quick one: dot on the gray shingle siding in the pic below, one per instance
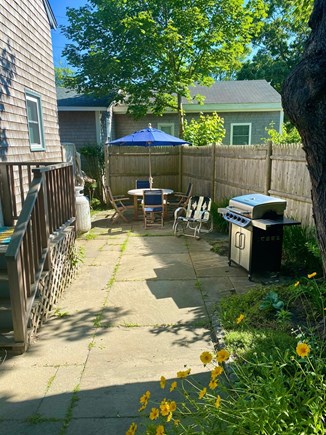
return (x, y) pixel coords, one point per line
(78, 128)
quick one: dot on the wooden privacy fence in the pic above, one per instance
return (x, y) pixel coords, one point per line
(218, 171)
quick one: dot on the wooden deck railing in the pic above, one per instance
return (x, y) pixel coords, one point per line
(48, 207)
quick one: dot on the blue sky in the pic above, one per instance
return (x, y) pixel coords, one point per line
(58, 40)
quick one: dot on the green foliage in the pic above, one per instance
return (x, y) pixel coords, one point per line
(301, 253)
(154, 51)
(250, 342)
(220, 224)
(271, 300)
(275, 394)
(207, 130)
(311, 295)
(280, 43)
(77, 256)
(288, 135)
(250, 304)
(93, 166)
(274, 382)
(61, 75)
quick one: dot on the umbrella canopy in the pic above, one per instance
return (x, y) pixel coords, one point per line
(149, 137)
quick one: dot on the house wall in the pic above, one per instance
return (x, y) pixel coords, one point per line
(78, 128)
(26, 63)
(125, 124)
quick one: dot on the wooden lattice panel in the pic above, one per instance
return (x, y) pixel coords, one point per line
(54, 282)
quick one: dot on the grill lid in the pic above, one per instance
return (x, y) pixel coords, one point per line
(257, 205)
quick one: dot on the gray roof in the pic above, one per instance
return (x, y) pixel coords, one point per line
(237, 92)
(70, 98)
(223, 92)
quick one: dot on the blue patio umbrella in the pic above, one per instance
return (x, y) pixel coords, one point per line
(149, 137)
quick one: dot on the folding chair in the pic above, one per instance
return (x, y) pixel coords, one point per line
(142, 184)
(119, 204)
(180, 199)
(190, 221)
(153, 208)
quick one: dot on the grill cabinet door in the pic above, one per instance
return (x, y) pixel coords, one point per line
(240, 246)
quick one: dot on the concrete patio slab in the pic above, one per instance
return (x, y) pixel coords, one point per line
(157, 302)
(140, 307)
(155, 266)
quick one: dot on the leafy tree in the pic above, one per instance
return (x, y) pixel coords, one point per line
(304, 101)
(288, 135)
(280, 43)
(61, 74)
(208, 129)
(153, 51)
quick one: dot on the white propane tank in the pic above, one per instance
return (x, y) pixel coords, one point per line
(83, 214)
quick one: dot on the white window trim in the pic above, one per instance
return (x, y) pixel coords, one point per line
(166, 124)
(32, 96)
(240, 123)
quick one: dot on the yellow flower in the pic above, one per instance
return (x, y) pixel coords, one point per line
(218, 402)
(206, 357)
(176, 422)
(217, 371)
(222, 355)
(239, 319)
(165, 408)
(213, 384)
(302, 349)
(132, 429)
(169, 417)
(144, 398)
(173, 406)
(173, 386)
(162, 382)
(160, 430)
(296, 284)
(155, 413)
(184, 373)
(202, 393)
(311, 275)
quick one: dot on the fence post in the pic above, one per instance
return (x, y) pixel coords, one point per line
(268, 176)
(180, 168)
(213, 172)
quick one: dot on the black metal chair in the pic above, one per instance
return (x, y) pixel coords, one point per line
(153, 208)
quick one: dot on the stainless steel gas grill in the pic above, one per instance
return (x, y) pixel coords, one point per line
(256, 231)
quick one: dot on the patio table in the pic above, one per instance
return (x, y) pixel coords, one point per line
(139, 193)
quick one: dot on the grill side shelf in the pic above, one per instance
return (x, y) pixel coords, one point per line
(263, 224)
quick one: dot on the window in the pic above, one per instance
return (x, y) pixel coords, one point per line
(166, 127)
(240, 134)
(34, 119)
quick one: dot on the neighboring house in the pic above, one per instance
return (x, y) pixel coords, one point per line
(248, 108)
(36, 189)
(83, 120)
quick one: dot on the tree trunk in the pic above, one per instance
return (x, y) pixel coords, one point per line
(304, 101)
(181, 117)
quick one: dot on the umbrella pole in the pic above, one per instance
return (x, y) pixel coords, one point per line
(150, 169)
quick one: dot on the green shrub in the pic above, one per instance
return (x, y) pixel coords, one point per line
(208, 129)
(289, 134)
(93, 166)
(220, 224)
(301, 254)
